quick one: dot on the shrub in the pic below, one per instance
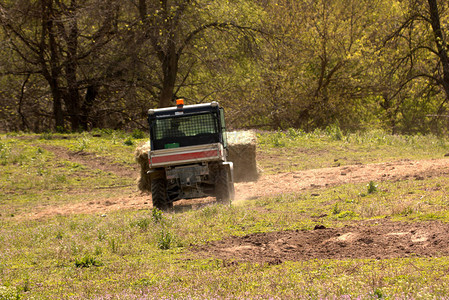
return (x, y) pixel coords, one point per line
(138, 134)
(46, 136)
(156, 215)
(278, 140)
(82, 144)
(87, 261)
(334, 132)
(372, 187)
(164, 240)
(129, 141)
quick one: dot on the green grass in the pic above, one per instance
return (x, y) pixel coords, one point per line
(31, 175)
(296, 150)
(134, 254)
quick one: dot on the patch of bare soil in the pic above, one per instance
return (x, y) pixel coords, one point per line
(371, 240)
(129, 201)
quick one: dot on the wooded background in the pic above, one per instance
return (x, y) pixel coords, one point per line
(69, 65)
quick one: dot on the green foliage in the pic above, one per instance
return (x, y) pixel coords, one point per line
(129, 142)
(102, 131)
(137, 134)
(5, 152)
(142, 223)
(322, 66)
(60, 129)
(165, 239)
(87, 261)
(334, 132)
(347, 215)
(377, 294)
(278, 140)
(372, 187)
(156, 215)
(82, 143)
(114, 245)
(336, 210)
(46, 136)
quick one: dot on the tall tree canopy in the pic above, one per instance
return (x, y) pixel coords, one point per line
(78, 64)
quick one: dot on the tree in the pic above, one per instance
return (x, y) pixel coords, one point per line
(441, 42)
(314, 72)
(424, 36)
(58, 39)
(175, 28)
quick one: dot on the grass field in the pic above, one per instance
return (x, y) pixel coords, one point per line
(145, 254)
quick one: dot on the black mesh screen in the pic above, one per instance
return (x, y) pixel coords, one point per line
(186, 130)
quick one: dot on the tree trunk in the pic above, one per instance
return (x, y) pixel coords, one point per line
(72, 97)
(51, 74)
(88, 103)
(57, 110)
(170, 70)
(25, 125)
(441, 44)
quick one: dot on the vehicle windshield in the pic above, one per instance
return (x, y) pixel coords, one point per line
(185, 130)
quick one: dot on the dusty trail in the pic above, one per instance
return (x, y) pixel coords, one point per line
(317, 178)
(369, 239)
(267, 185)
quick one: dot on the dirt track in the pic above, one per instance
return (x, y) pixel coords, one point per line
(267, 185)
(372, 239)
(309, 179)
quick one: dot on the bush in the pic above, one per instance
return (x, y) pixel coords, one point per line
(87, 261)
(156, 215)
(164, 240)
(372, 187)
(138, 134)
(129, 141)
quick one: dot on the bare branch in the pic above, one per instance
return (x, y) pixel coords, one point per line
(216, 25)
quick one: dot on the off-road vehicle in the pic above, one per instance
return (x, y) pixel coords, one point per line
(188, 154)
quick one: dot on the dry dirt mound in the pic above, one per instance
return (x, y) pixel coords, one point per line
(373, 240)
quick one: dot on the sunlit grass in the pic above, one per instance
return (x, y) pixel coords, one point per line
(32, 176)
(296, 150)
(137, 254)
(94, 256)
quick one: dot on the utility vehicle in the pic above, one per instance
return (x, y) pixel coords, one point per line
(188, 154)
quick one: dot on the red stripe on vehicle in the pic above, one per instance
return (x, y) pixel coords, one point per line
(183, 156)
